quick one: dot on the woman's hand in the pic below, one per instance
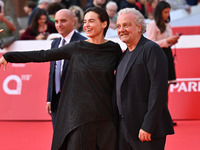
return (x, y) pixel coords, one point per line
(173, 39)
(40, 37)
(3, 62)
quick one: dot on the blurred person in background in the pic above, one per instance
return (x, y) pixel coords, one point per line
(52, 9)
(68, 3)
(179, 4)
(142, 5)
(56, 1)
(111, 8)
(6, 23)
(96, 3)
(64, 23)
(128, 4)
(42, 4)
(151, 5)
(192, 2)
(160, 31)
(40, 27)
(78, 14)
(118, 3)
(28, 8)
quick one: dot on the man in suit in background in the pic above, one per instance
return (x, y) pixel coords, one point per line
(141, 87)
(64, 23)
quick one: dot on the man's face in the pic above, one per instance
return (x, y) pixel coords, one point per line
(26, 9)
(127, 30)
(64, 23)
(112, 10)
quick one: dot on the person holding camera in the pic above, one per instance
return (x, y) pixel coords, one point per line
(6, 23)
(40, 27)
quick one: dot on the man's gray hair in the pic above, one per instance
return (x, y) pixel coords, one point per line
(140, 20)
(110, 3)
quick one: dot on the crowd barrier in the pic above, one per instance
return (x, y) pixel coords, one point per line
(23, 87)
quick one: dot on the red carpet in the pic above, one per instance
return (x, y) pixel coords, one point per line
(186, 137)
(25, 135)
(38, 135)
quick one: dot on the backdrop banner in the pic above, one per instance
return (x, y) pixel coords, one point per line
(23, 87)
(184, 97)
(23, 91)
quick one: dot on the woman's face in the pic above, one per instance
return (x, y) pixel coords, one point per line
(92, 25)
(154, 4)
(165, 13)
(42, 20)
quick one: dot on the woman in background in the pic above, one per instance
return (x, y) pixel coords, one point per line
(160, 31)
(40, 27)
(78, 14)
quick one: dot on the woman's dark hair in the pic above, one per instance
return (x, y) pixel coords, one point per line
(158, 15)
(34, 23)
(102, 14)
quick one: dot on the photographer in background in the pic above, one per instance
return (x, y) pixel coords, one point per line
(6, 23)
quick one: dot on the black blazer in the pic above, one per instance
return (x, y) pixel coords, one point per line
(144, 91)
(51, 84)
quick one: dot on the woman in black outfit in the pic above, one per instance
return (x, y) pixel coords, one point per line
(85, 119)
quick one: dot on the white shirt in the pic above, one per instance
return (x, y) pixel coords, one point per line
(67, 39)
